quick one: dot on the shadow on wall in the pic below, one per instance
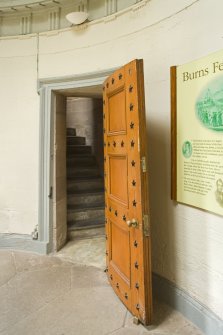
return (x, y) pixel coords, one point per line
(175, 247)
(162, 219)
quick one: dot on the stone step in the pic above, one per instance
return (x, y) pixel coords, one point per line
(84, 224)
(71, 131)
(75, 233)
(90, 205)
(74, 215)
(73, 150)
(85, 185)
(76, 140)
(79, 160)
(82, 172)
(86, 199)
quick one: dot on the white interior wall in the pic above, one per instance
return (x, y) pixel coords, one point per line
(19, 115)
(121, 4)
(9, 27)
(187, 242)
(96, 9)
(40, 22)
(80, 115)
(86, 116)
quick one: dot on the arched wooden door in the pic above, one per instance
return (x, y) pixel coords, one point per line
(127, 204)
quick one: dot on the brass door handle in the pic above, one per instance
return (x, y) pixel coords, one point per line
(132, 223)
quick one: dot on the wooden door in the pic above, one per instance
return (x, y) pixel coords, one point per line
(126, 195)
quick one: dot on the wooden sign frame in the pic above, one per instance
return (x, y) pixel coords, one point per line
(173, 72)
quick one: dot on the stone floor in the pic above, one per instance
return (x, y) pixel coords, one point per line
(54, 295)
(86, 247)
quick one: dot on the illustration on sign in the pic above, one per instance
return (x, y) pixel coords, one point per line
(209, 106)
(187, 149)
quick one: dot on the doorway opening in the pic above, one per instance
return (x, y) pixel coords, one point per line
(127, 227)
(79, 118)
(52, 218)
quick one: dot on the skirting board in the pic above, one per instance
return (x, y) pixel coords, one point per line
(193, 310)
(23, 243)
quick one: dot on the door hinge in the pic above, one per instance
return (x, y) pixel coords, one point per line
(146, 225)
(50, 195)
(144, 168)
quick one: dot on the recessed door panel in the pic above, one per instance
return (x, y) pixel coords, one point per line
(117, 117)
(120, 253)
(117, 176)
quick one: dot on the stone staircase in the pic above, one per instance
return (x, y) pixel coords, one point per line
(85, 187)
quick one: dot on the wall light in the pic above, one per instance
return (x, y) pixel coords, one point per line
(77, 17)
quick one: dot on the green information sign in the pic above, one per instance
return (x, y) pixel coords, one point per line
(197, 133)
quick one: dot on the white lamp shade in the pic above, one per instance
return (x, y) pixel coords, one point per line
(77, 17)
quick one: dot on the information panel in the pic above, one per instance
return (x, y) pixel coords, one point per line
(199, 133)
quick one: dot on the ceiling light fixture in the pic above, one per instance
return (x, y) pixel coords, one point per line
(77, 17)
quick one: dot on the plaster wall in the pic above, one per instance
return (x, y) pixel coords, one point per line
(9, 27)
(80, 115)
(187, 242)
(86, 116)
(19, 115)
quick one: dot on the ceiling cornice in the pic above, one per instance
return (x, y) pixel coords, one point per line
(18, 3)
(18, 6)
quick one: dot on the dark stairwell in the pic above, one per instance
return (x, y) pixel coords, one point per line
(85, 188)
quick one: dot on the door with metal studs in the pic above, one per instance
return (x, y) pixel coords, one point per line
(128, 254)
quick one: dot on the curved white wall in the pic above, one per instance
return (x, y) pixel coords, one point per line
(187, 242)
(19, 117)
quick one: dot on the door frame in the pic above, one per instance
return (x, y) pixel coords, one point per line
(47, 88)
